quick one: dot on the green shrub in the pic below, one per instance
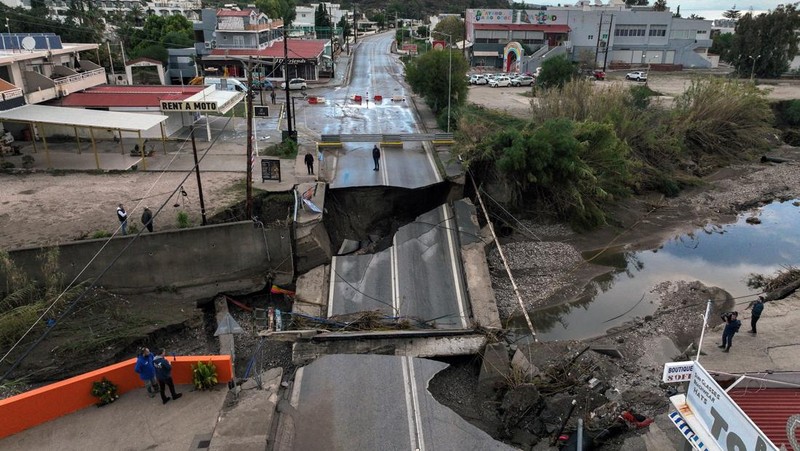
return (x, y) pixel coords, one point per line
(791, 137)
(7, 165)
(105, 391)
(101, 234)
(791, 112)
(183, 220)
(204, 375)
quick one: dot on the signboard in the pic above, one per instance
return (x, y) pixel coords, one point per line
(727, 424)
(439, 45)
(261, 111)
(678, 371)
(270, 170)
(410, 48)
(181, 105)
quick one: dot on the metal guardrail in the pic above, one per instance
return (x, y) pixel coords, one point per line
(408, 137)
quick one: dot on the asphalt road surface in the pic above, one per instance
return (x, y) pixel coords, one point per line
(375, 71)
(419, 276)
(374, 402)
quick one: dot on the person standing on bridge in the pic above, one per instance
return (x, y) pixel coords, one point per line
(732, 325)
(376, 157)
(309, 159)
(272, 96)
(758, 307)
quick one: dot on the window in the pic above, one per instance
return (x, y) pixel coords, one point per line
(630, 30)
(702, 31)
(238, 41)
(658, 30)
(591, 37)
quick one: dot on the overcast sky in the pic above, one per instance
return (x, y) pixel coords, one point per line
(712, 9)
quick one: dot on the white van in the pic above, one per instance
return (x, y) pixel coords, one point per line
(226, 84)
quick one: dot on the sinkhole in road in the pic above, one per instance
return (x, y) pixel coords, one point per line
(373, 214)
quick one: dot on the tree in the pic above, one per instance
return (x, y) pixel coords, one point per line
(696, 17)
(378, 18)
(660, 5)
(159, 34)
(321, 17)
(451, 25)
(278, 9)
(347, 29)
(765, 44)
(428, 77)
(636, 2)
(722, 46)
(732, 13)
(556, 72)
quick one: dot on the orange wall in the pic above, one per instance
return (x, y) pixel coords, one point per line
(61, 398)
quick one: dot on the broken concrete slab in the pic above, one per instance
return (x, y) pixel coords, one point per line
(479, 287)
(246, 425)
(523, 366)
(314, 193)
(311, 294)
(496, 366)
(467, 220)
(364, 343)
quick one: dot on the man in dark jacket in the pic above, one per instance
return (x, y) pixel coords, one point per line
(122, 215)
(758, 307)
(376, 157)
(146, 371)
(309, 159)
(164, 376)
(732, 325)
(147, 219)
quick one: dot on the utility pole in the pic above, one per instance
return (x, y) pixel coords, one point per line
(286, 80)
(249, 105)
(199, 183)
(599, 36)
(333, 50)
(355, 25)
(608, 43)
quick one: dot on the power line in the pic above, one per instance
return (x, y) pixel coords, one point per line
(103, 272)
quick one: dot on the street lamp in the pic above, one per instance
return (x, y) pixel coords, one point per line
(753, 69)
(449, 76)
(647, 77)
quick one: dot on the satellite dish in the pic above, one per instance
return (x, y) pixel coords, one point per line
(28, 43)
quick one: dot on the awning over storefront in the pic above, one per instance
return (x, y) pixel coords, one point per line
(225, 100)
(485, 53)
(41, 114)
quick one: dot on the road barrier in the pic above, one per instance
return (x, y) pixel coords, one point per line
(384, 139)
(379, 98)
(357, 99)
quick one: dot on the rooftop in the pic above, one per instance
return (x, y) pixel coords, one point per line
(770, 409)
(127, 96)
(298, 48)
(522, 27)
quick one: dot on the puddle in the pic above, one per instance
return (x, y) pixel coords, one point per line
(716, 256)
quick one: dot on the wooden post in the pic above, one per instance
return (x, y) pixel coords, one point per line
(94, 148)
(46, 149)
(163, 138)
(33, 137)
(121, 147)
(141, 151)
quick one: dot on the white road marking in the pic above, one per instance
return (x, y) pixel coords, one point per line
(384, 172)
(433, 163)
(417, 415)
(393, 269)
(412, 436)
(330, 288)
(450, 229)
(298, 381)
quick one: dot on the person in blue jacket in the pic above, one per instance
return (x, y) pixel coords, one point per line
(732, 325)
(758, 307)
(164, 376)
(146, 370)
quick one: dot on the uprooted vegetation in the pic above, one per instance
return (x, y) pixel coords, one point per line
(584, 148)
(782, 283)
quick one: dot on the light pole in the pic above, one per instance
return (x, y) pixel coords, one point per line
(449, 76)
(753, 69)
(647, 76)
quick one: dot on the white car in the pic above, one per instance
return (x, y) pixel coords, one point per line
(522, 80)
(295, 83)
(638, 76)
(501, 82)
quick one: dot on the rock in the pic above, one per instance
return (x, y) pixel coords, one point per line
(753, 220)
(496, 367)
(524, 438)
(796, 203)
(520, 401)
(523, 366)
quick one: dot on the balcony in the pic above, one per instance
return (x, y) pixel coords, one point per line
(41, 89)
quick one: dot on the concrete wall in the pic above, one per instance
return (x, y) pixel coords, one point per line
(211, 255)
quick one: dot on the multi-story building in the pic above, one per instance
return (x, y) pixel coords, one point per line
(44, 68)
(58, 8)
(600, 35)
(226, 39)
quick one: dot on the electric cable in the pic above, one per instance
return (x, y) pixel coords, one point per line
(101, 275)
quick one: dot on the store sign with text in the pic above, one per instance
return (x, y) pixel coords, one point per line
(677, 372)
(722, 417)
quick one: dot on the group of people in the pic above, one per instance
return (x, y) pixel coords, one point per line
(376, 159)
(122, 215)
(732, 323)
(156, 371)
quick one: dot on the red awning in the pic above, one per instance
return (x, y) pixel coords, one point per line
(769, 408)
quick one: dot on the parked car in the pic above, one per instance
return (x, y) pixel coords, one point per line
(522, 80)
(637, 76)
(501, 81)
(295, 83)
(473, 79)
(481, 80)
(262, 85)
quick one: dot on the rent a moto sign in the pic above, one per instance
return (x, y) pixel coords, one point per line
(724, 420)
(179, 105)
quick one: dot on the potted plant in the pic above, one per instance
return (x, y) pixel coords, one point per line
(105, 391)
(204, 375)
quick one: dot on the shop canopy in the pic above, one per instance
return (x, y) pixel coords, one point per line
(113, 120)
